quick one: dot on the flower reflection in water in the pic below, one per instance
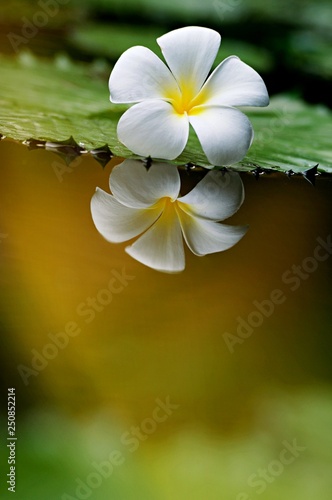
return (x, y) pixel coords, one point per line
(148, 202)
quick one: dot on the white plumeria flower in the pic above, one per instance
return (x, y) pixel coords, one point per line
(169, 98)
(147, 201)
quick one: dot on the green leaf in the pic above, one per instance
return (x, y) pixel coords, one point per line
(52, 101)
(55, 100)
(291, 134)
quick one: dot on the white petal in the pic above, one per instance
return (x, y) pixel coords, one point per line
(139, 74)
(153, 128)
(135, 186)
(189, 53)
(224, 133)
(205, 236)
(217, 196)
(234, 83)
(161, 247)
(117, 223)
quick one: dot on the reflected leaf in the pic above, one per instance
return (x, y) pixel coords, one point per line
(148, 202)
(102, 154)
(310, 174)
(67, 149)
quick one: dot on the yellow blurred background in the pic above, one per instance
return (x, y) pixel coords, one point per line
(162, 338)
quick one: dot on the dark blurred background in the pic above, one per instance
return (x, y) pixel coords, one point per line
(288, 42)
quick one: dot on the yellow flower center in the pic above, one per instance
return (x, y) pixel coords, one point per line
(186, 100)
(171, 209)
(168, 215)
(168, 205)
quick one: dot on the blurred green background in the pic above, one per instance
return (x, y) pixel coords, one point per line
(163, 336)
(288, 42)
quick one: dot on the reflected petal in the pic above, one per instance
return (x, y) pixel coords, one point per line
(189, 53)
(138, 75)
(205, 236)
(224, 133)
(135, 186)
(116, 222)
(234, 83)
(153, 128)
(217, 196)
(161, 247)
